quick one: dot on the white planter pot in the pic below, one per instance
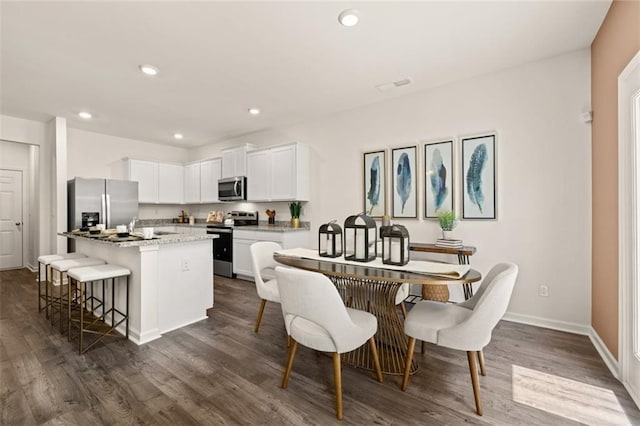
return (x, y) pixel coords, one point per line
(447, 235)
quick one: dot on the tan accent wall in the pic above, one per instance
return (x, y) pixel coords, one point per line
(616, 43)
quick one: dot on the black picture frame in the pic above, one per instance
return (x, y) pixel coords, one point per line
(374, 200)
(404, 180)
(479, 181)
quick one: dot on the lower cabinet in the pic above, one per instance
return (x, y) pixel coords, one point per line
(242, 264)
(242, 240)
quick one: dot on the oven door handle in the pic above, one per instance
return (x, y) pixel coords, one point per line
(219, 231)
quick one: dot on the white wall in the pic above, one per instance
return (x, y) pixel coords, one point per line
(544, 172)
(41, 141)
(95, 155)
(102, 156)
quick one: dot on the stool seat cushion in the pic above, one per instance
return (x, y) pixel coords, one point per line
(48, 258)
(65, 264)
(97, 272)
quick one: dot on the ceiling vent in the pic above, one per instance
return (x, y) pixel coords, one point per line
(384, 87)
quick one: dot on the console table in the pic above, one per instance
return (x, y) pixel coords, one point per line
(463, 254)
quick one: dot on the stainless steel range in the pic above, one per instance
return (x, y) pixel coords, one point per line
(223, 246)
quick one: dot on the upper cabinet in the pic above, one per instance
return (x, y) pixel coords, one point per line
(146, 174)
(170, 183)
(279, 173)
(157, 182)
(259, 175)
(192, 186)
(210, 173)
(234, 161)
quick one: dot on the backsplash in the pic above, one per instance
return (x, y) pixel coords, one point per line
(200, 211)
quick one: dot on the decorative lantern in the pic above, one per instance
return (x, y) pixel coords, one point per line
(395, 245)
(330, 240)
(360, 238)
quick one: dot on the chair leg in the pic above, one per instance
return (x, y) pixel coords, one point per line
(288, 340)
(376, 359)
(471, 356)
(481, 362)
(407, 366)
(287, 371)
(422, 347)
(403, 308)
(337, 374)
(263, 303)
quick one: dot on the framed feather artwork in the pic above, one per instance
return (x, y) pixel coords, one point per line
(438, 178)
(404, 183)
(375, 194)
(479, 177)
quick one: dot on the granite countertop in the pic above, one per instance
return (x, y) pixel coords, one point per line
(280, 226)
(157, 239)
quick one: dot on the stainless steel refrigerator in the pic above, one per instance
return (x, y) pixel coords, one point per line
(108, 201)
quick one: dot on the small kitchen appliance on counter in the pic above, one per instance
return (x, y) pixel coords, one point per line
(223, 245)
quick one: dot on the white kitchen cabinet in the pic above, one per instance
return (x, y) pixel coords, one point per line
(146, 174)
(242, 263)
(242, 240)
(234, 161)
(210, 173)
(157, 182)
(170, 183)
(259, 175)
(192, 187)
(279, 173)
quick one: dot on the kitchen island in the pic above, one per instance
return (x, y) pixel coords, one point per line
(171, 282)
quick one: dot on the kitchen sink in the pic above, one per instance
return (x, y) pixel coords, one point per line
(165, 233)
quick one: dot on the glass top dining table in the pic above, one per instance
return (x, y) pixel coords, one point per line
(374, 290)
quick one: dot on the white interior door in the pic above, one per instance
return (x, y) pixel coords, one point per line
(629, 159)
(10, 219)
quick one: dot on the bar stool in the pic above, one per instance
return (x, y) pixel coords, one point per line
(45, 260)
(62, 267)
(90, 274)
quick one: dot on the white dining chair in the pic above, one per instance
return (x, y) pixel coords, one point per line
(262, 259)
(466, 326)
(315, 316)
(403, 293)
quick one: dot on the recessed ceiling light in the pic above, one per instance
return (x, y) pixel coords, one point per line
(178, 136)
(348, 17)
(148, 69)
(84, 114)
(254, 111)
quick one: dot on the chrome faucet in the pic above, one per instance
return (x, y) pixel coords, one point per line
(132, 224)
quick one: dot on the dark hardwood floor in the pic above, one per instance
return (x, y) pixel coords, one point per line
(219, 372)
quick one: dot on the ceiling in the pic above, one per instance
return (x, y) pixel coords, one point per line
(293, 60)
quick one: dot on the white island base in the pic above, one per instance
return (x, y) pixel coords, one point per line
(171, 285)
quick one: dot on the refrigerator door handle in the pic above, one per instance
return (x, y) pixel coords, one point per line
(103, 216)
(108, 211)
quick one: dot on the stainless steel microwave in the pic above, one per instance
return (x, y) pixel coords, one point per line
(232, 189)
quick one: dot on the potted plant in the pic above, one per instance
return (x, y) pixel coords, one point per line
(447, 219)
(295, 208)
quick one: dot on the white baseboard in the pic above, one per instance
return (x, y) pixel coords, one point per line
(586, 330)
(569, 327)
(31, 267)
(605, 354)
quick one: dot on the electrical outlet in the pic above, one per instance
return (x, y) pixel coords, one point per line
(185, 265)
(543, 290)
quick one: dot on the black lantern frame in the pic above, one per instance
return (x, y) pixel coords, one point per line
(395, 245)
(330, 240)
(360, 237)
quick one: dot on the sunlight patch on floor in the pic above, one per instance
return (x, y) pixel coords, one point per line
(570, 399)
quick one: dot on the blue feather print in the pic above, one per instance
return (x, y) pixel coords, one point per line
(474, 175)
(374, 184)
(438, 179)
(403, 179)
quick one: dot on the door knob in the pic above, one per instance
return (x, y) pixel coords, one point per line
(18, 223)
